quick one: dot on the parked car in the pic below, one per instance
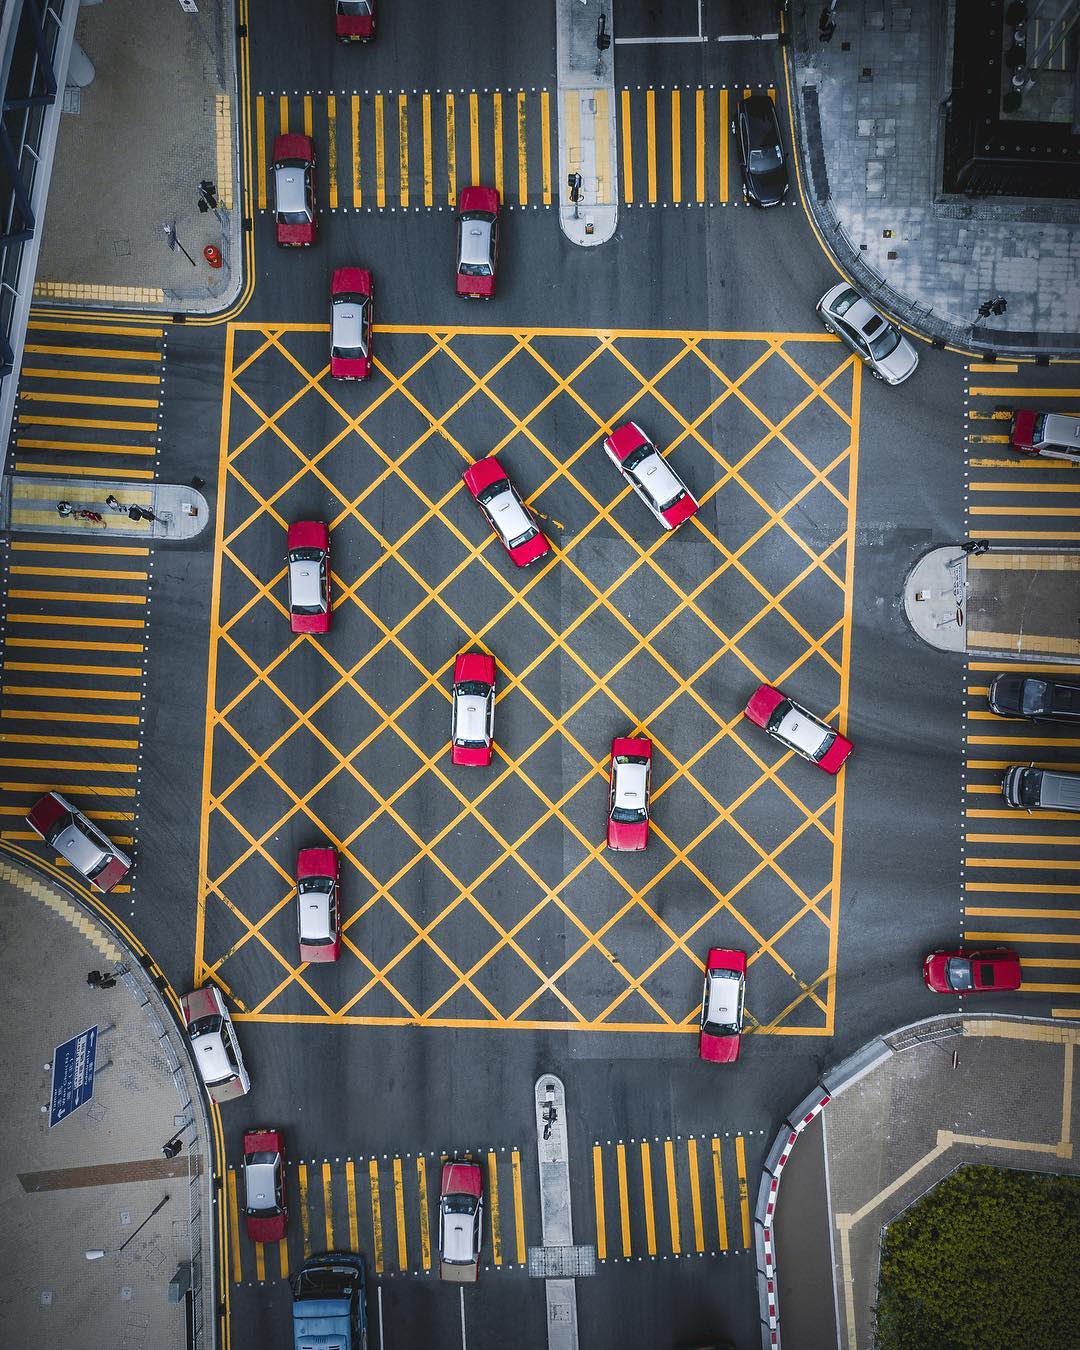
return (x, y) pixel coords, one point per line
(879, 343)
(650, 475)
(628, 801)
(214, 1045)
(1053, 435)
(351, 307)
(1012, 695)
(309, 576)
(477, 242)
(330, 1303)
(1028, 788)
(722, 1005)
(318, 903)
(296, 214)
(963, 972)
(789, 723)
(507, 514)
(266, 1215)
(79, 843)
(472, 720)
(354, 20)
(461, 1217)
(761, 150)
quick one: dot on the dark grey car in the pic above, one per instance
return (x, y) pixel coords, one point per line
(1012, 695)
(760, 146)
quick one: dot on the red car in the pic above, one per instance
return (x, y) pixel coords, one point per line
(296, 215)
(266, 1216)
(963, 972)
(628, 810)
(354, 20)
(318, 908)
(472, 724)
(309, 576)
(722, 1005)
(461, 1221)
(350, 323)
(650, 475)
(507, 514)
(477, 242)
(78, 842)
(789, 723)
(1053, 434)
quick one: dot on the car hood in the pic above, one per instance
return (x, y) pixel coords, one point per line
(1005, 693)
(769, 186)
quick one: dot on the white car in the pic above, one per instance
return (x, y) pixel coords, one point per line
(214, 1045)
(883, 347)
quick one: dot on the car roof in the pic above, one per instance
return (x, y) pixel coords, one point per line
(509, 514)
(347, 318)
(73, 844)
(630, 780)
(471, 721)
(723, 1001)
(476, 241)
(304, 583)
(259, 1188)
(214, 1063)
(289, 190)
(862, 314)
(800, 728)
(314, 909)
(657, 477)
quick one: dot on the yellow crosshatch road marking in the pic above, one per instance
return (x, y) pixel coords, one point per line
(458, 991)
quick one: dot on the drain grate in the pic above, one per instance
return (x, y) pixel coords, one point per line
(72, 99)
(561, 1263)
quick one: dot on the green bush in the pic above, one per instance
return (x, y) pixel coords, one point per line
(988, 1260)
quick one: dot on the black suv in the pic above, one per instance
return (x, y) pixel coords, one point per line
(761, 150)
(1041, 700)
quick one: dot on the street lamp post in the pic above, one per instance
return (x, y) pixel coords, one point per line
(96, 1253)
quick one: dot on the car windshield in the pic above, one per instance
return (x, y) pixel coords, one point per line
(1038, 429)
(844, 301)
(958, 973)
(354, 8)
(487, 495)
(326, 1282)
(477, 687)
(205, 1026)
(761, 161)
(1033, 699)
(460, 1204)
(886, 344)
(324, 885)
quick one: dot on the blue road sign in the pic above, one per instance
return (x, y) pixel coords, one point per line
(73, 1075)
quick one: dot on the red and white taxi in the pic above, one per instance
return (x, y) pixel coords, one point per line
(350, 323)
(78, 842)
(628, 801)
(296, 216)
(789, 723)
(722, 1005)
(354, 20)
(461, 1219)
(213, 1044)
(318, 908)
(308, 557)
(477, 242)
(650, 475)
(964, 972)
(266, 1216)
(472, 722)
(507, 514)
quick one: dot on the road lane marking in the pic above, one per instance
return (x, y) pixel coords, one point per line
(357, 194)
(627, 150)
(650, 143)
(598, 1201)
(602, 144)
(307, 114)
(718, 1191)
(498, 143)
(350, 1194)
(331, 151)
(425, 1217)
(523, 162)
(328, 1207)
(474, 139)
(451, 152)
(695, 1195)
(493, 1194)
(647, 1196)
(744, 1201)
(234, 1226)
(305, 1215)
(519, 1209)
(429, 181)
(672, 1197)
(699, 146)
(403, 150)
(545, 144)
(724, 134)
(376, 1216)
(380, 153)
(283, 114)
(676, 146)
(624, 1199)
(399, 1214)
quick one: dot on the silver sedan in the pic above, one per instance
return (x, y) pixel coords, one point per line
(879, 343)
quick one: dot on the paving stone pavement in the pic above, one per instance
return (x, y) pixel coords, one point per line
(870, 153)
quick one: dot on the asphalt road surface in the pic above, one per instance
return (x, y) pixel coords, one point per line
(488, 936)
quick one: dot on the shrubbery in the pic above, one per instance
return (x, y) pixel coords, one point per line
(989, 1259)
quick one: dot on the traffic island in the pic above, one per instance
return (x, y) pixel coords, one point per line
(1016, 604)
(61, 506)
(588, 173)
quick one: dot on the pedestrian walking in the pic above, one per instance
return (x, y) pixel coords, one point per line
(63, 509)
(112, 503)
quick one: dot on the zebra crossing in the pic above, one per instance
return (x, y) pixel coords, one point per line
(413, 150)
(633, 1199)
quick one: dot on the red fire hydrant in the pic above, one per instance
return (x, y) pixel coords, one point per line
(212, 255)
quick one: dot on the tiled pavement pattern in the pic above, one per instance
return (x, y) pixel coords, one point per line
(1021, 872)
(870, 118)
(489, 900)
(76, 613)
(415, 150)
(637, 1199)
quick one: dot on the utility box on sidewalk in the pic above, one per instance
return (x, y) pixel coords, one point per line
(180, 1282)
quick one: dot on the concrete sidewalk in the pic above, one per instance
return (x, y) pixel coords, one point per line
(904, 1124)
(160, 116)
(868, 122)
(88, 1182)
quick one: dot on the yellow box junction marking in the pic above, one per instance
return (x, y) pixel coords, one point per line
(838, 391)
